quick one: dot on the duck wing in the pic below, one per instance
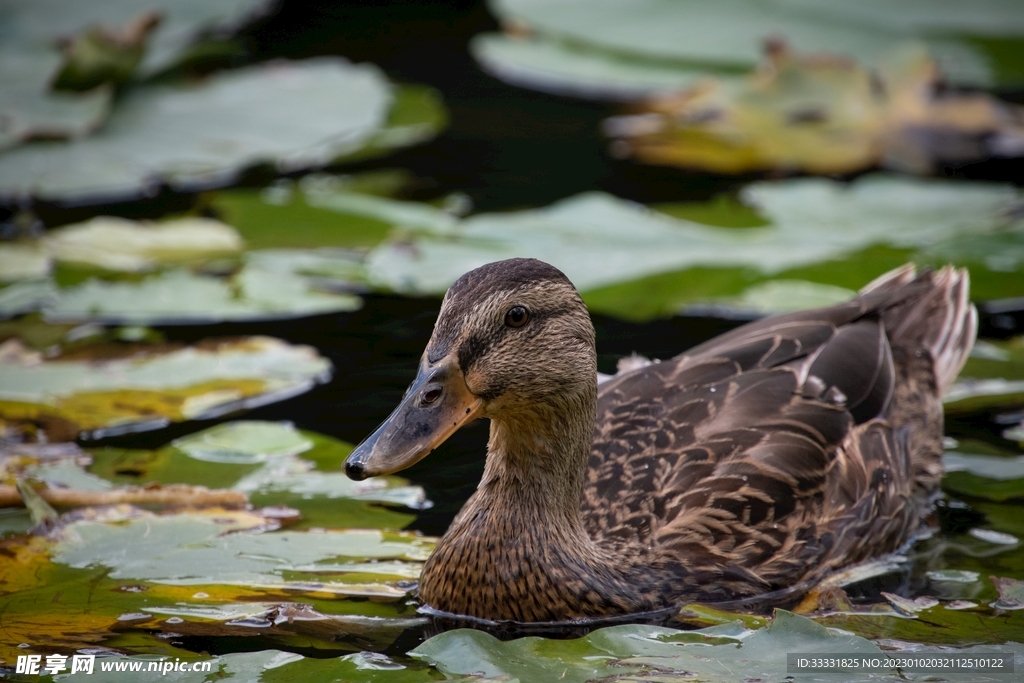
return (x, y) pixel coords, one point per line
(785, 448)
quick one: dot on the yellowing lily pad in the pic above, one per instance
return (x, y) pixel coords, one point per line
(104, 575)
(824, 115)
(152, 387)
(123, 245)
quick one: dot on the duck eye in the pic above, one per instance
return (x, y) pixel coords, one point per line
(517, 316)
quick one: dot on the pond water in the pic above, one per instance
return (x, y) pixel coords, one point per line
(128, 585)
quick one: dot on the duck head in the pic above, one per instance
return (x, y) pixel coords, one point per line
(513, 341)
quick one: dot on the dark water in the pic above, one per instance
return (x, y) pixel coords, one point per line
(505, 148)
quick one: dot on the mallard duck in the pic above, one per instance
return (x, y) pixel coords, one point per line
(755, 463)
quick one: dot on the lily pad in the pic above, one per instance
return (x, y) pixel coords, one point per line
(270, 285)
(135, 246)
(599, 240)
(990, 474)
(993, 377)
(821, 114)
(24, 261)
(193, 549)
(29, 109)
(276, 464)
(203, 567)
(153, 386)
(659, 654)
(577, 70)
(197, 136)
(730, 33)
(182, 22)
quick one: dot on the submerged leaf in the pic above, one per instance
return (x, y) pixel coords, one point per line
(153, 387)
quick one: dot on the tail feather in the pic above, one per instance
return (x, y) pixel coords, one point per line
(941, 319)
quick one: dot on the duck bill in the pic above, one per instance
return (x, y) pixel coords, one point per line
(436, 405)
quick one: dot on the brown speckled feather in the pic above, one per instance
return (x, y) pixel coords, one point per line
(757, 462)
(786, 449)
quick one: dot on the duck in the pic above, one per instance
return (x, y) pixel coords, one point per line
(754, 464)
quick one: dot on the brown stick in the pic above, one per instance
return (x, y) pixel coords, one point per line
(154, 494)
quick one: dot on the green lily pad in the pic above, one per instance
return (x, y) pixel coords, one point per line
(781, 296)
(276, 464)
(600, 241)
(29, 109)
(152, 387)
(182, 22)
(731, 33)
(990, 473)
(993, 377)
(244, 442)
(270, 285)
(282, 215)
(659, 654)
(572, 69)
(89, 582)
(196, 136)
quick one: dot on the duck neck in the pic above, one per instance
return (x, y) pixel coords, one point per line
(519, 550)
(537, 460)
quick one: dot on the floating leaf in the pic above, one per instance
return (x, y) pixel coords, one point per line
(641, 652)
(998, 477)
(244, 442)
(781, 296)
(992, 377)
(134, 246)
(101, 55)
(29, 109)
(294, 115)
(953, 575)
(730, 33)
(272, 284)
(599, 240)
(192, 549)
(821, 114)
(1011, 592)
(181, 22)
(152, 387)
(995, 537)
(276, 464)
(200, 567)
(25, 261)
(572, 69)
